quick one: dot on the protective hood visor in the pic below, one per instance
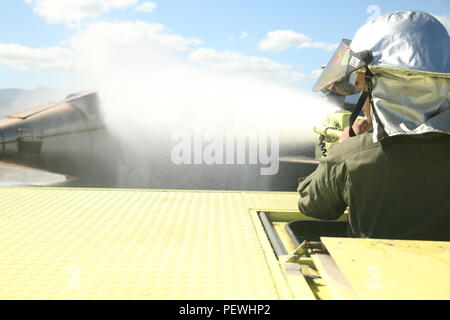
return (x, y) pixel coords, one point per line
(336, 76)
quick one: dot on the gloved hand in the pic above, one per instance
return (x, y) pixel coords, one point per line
(360, 127)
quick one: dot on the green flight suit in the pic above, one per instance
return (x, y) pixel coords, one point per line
(398, 188)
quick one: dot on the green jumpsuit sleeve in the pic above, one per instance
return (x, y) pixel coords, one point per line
(322, 193)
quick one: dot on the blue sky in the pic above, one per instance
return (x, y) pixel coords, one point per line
(224, 26)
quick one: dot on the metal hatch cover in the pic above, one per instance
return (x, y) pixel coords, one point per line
(393, 269)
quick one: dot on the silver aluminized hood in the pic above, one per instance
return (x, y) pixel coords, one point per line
(411, 68)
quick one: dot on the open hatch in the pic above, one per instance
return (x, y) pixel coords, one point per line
(337, 267)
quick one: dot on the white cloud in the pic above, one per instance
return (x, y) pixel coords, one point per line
(120, 3)
(147, 6)
(25, 58)
(244, 35)
(236, 62)
(284, 39)
(131, 34)
(103, 46)
(445, 20)
(281, 40)
(72, 11)
(93, 47)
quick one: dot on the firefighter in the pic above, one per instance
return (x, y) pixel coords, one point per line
(393, 170)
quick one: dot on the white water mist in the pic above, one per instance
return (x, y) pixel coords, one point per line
(148, 92)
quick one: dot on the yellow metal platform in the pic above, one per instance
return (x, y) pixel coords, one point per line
(62, 243)
(392, 269)
(135, 244)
